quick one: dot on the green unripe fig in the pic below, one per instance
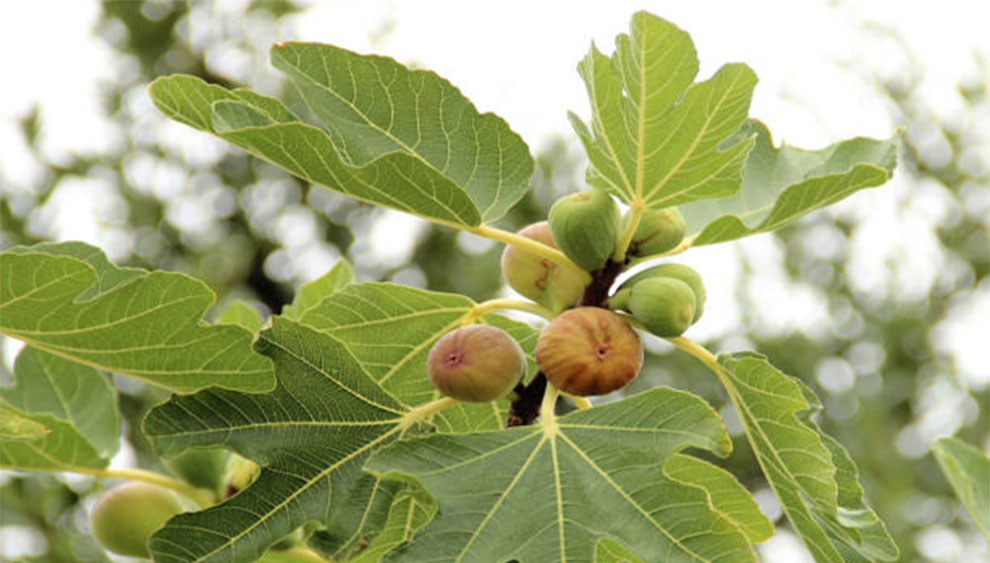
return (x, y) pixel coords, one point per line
(477, 363)
(589, 351)
(658, 231)
(129, 514)
(681, 272)
(206, 469)
(586, 226)
(241, 473)
(538, 278)
(665, 306)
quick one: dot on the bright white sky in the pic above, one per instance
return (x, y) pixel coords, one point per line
(518, 58)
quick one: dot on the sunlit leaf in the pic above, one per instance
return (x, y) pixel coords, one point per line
(654, 136)
(74, 404)
(146, 325)
(310, 294)
(17, 427)
(242, 314)
(609, 551)
(784, 183)
(549, 492)
(968, 471)
(812, 475)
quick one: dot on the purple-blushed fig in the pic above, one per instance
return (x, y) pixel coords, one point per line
(589, 351)
(586, 226)
(658, 231)
(681, 272)
(665, 306)
(129, 514)
(538, 278)
(476, 363)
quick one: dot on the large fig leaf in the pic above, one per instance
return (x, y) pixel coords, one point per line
(549, 492)
(75, 407)
(813, 476)
(311, 294)
(399, 138)
(781, 184)
(655, 137)
(67, 299)
(373, 106)
(968, 471)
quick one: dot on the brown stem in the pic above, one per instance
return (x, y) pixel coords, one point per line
(597, 291)
(526, 407)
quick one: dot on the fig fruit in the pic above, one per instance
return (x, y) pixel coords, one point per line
(686, 274)
(476, 363)
(589, 351)
(538, 278)
(129, 514)
(586, 226)
(665, 306)
(659, 231)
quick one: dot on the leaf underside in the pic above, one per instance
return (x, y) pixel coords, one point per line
(968, 471)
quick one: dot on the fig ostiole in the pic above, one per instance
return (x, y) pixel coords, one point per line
(476, 363)
(681, 272)
(664, 306)
(586, 226)
(538, 278)
(124, 519)
(589, 351)
(658, 231)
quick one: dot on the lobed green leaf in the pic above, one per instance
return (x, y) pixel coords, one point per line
(968, 471)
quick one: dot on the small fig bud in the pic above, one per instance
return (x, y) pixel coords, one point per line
(589, 351)
(665, 306)
(129, 514)
(538, 278)
(476, 363)
(586, 226)
(681, 272)
(659, 230)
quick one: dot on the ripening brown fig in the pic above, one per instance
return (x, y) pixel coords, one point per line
(658, 231)
(538, 278)
(589, 351)
(586, 226)
(476, 363)
(129, 514)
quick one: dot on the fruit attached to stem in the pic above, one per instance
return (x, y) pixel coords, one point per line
(665, 306)
(540, 279)
(659, 231)
(586, 226)
(686, 274)
(589, 351)
(476, 363)
(129, 514)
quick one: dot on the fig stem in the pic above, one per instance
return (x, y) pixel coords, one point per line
(580, 402)
(425, 411)
(548, 418)
(526, 407)
(636, 209)
(684, 245)
(527, 244)
(486, 307)
(201, 497)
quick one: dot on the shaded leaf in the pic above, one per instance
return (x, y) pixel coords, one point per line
(410, 511)
(146, 325)
(654, 136)
(609, 551)
(540, 493)
(968, 471)
(812, 475)
(781, 184)
(373, 106)
(76, 406)
(310, 294)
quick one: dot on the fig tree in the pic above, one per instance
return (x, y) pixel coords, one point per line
(538, 278)
(586, 226)
(659, 231)
(589, 351)
(665, 306)
(129, 514)
(476, 363)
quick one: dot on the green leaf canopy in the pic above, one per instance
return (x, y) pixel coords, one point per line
(968, 471)
(654, 136)
(549, 492)
(784, 183)
(67, 299)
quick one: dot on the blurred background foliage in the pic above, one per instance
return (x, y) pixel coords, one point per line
(879, 360)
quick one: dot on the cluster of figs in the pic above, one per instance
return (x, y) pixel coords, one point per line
(589, 348)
